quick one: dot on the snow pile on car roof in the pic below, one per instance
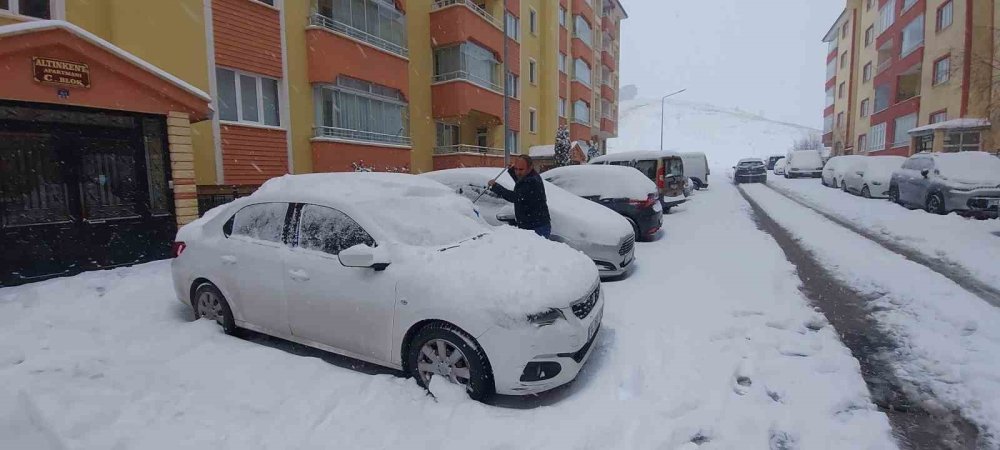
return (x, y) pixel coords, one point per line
(358, 186)
(969, 167)
(572, 217)
(602, 181)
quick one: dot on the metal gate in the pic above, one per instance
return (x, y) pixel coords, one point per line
(81, 189)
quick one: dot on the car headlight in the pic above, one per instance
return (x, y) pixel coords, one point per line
(546, 318)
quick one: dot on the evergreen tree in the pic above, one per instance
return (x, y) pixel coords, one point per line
(562, 147)
(593, 152)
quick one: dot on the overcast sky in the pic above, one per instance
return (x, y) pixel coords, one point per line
(760, 56)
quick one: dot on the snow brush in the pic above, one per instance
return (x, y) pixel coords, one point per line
(488, 185)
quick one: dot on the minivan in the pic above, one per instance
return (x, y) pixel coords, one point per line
(696, 168)
(666, 169)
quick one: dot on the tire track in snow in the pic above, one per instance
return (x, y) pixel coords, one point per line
(948, 269)
(844, 308)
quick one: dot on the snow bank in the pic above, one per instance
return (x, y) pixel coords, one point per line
(602, 181)
(572, 217)
(977, 168)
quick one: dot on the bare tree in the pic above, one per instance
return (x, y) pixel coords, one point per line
(811, 142)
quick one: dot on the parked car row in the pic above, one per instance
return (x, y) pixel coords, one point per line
(940, 183)
(421, 273)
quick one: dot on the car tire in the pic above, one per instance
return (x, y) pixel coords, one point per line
(635, 229)
(843, 185)
(209, 303)
(935, 204)
(479, 384)
(865, 192)
(894, 194)
(697, 184)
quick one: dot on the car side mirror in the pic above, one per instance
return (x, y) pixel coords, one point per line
(506, 215)
(363, 256)
(925, 172)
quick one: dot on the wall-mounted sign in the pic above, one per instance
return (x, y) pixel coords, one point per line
(65, 73)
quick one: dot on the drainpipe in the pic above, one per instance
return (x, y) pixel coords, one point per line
(506, 99)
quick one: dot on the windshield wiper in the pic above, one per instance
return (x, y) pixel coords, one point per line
(459, 243)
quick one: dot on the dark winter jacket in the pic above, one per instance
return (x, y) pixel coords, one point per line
(530, 205)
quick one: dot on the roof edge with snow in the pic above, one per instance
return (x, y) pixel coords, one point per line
(41, 25)
(954, 124)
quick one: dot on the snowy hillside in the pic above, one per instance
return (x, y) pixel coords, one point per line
(724, 135)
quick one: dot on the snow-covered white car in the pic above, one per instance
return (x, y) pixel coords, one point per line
(779, 166)
(968, 182)
(868, 176)
(803, 163)
(622, 189)
(395, 270)
(836, 168)
(603, 235)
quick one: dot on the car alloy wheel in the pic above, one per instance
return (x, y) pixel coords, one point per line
(209, 307)
(865, 192)
(209, 303)
(935, 204)
(442, 358)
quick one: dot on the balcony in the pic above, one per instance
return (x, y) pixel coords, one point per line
(459, 94)
(457, 21)
(582, 50)
(607, 93)
(361, 136)
(584, 8)
(579, 131)
(608, 25)
(319, 20)
(468, 149)
(608, 59)
(456, 156)
(332, 52)
(580, 91)
(607, 127)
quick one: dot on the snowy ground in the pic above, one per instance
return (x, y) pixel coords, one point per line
(949, 339)
(973, 245)
(708, 344)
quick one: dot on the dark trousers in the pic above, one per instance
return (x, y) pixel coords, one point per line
(544, 231)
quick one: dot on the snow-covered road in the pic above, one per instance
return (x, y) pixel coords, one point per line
(709, 343)
(947, 338)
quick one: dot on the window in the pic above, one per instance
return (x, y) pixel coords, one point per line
(831, 69)
(467, 61)
(512, 143)
(375, 22)
(562, 16)
(562, 62)
(904, 124)
(247, 98)
(886, 17)
(945, 15)
(581, 112)
(533, 21)
(841, 89)
(843, 60)
(330, 231)
(924, 143)
(267, 2)
(868, 4)
(581, 71)
(942, 70)
(447, 134)
(581, 29)
(869, 36)
(41, 9)
(827, 124)
(865, 108)
(262, 222)
(532, 120)
(843, 31)
(913, 35)
(513, 85)
(939, 117)
(363, 111)
(959, 141)
(562, 107)
(532, 71)
(876, 138)
(866, 73)
(513, 27)
(906, 5)
(882, 95)
(863, 143)
(830, 96)
(840, 119)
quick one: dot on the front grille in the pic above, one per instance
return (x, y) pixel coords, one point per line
(583, 307)
(627, 245)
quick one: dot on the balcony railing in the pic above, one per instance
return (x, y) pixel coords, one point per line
(438, 4)
(320, 20)
(358, 135)
(882, 66)
(464, 75)
(462, 148)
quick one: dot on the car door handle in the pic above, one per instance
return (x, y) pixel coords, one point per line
(228, 259)
(298, 275)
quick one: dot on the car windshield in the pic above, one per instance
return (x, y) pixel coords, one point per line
(750, 164)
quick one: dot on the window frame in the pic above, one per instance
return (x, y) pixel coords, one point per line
(294, 230)
(533, 71)
(589, 81)
(936, 74)
(513, 24)
(286, 236)
(562, 16)
(513, 83)
(870, 36)
(589, 40)
(865, 107)
(513, 142)
(533, 21)
(373, 137)
(532, 120)
(57, 10)
(903, 51)
(841, 88)
(863, 142)
(843, 60)
(950, 5)
(259, 85)
(942, 114)
(866, 72)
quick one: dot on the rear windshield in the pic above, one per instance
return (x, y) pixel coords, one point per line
(647, 167)
(750, 164)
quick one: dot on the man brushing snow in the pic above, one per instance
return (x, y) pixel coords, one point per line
(530, 205)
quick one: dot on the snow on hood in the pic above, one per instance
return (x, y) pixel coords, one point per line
(603, 181)
(978, 168)
(573, 218)
(507, 272)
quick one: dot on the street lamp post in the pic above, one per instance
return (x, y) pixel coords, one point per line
(662, 111)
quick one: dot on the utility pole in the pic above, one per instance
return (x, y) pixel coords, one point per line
(506, 98)
(662, 111)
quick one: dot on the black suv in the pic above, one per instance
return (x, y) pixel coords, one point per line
(750, 170)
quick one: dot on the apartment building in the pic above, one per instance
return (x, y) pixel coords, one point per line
(923, 76)
(142, 114)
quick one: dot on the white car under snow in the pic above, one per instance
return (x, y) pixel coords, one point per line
(396, 270)
(603, 235)
(869, 176)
